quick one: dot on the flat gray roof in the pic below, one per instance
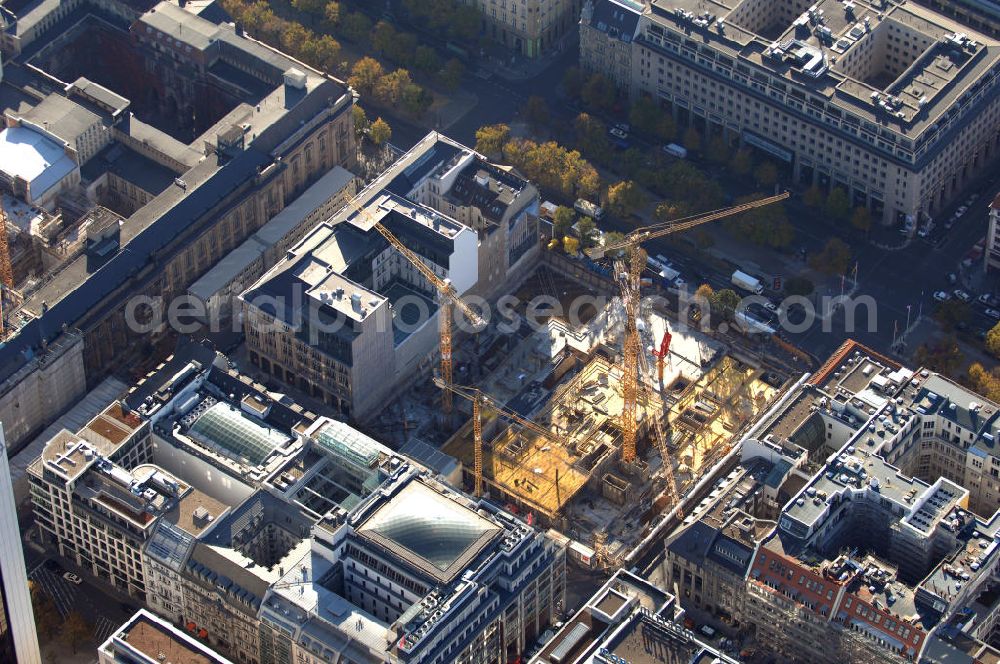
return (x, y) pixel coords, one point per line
(941, 86)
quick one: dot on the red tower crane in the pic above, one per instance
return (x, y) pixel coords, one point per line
(661, 355)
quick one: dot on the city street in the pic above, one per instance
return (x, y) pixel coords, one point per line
(895, 280)
(102, 610)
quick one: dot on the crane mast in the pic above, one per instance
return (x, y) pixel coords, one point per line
(447, 297)
(480, 399)
(631, 244)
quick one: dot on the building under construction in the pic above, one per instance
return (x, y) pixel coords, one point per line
(559, 458)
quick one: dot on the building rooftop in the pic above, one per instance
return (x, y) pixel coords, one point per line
(179, 25)
(271, 122)
(29, 155)
(833, 52)
(337, 469)
(148, 639)
(131, 166)
(61, 117)
(233, 557)
(228, 430)
(430, 530)
(626, 618)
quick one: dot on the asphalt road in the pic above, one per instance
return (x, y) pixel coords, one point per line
(893, 279)
(103, 611)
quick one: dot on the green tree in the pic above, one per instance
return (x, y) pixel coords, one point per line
(724, 303)
(293, 36)
(667, 211)
(47, 619)
(588, 232)
(551, 165)
(941, 355)
(813, 197)
(598, 93)
(835, 257)
(592, 137)
(838, 206)
(426, 59)
(766, 175)
(490, 139)
(321, 52)
(572, 82)
(692, 139)
(331, 15)
(536, 112)
(766, 226)
(562, 220)
(464, 23)
(861, 219)
(451, 74)
(666, 128)
(952, 313)
(993, 340)
(315, 7)
(625, 197)
(718, 150)
(644, 115)
(799, 286)
(380, 132)
(704, 293)
(742, 162)
(611, 239)
(985, 382)
(571, 245)
(361, 122)
(356, 27)
(75, 631)
(383, 37)
(365, 75)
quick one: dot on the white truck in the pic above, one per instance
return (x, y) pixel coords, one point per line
(675, 150)
(750, 325)
(588, 209)
(746, 282)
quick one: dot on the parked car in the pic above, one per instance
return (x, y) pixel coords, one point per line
(986, 299)
(73, 578)
(962, 295)
(952, 278)
(941, 296)
(993, 313)
(624, 126)
(618, 133)
(962, 209)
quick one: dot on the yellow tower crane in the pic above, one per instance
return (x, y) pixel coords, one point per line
(447, 295)
(6, 272)
(631, 245)
(480, 399)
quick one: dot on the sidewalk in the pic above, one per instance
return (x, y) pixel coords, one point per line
(514, 67)
(454, 107)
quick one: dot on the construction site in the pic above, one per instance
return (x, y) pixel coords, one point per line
(548, 410)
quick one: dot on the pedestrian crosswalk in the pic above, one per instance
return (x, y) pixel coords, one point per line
(103, 628)
(62, 592)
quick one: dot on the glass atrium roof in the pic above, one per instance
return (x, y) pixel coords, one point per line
(348, 443)
(429, 525)
(236, 435)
